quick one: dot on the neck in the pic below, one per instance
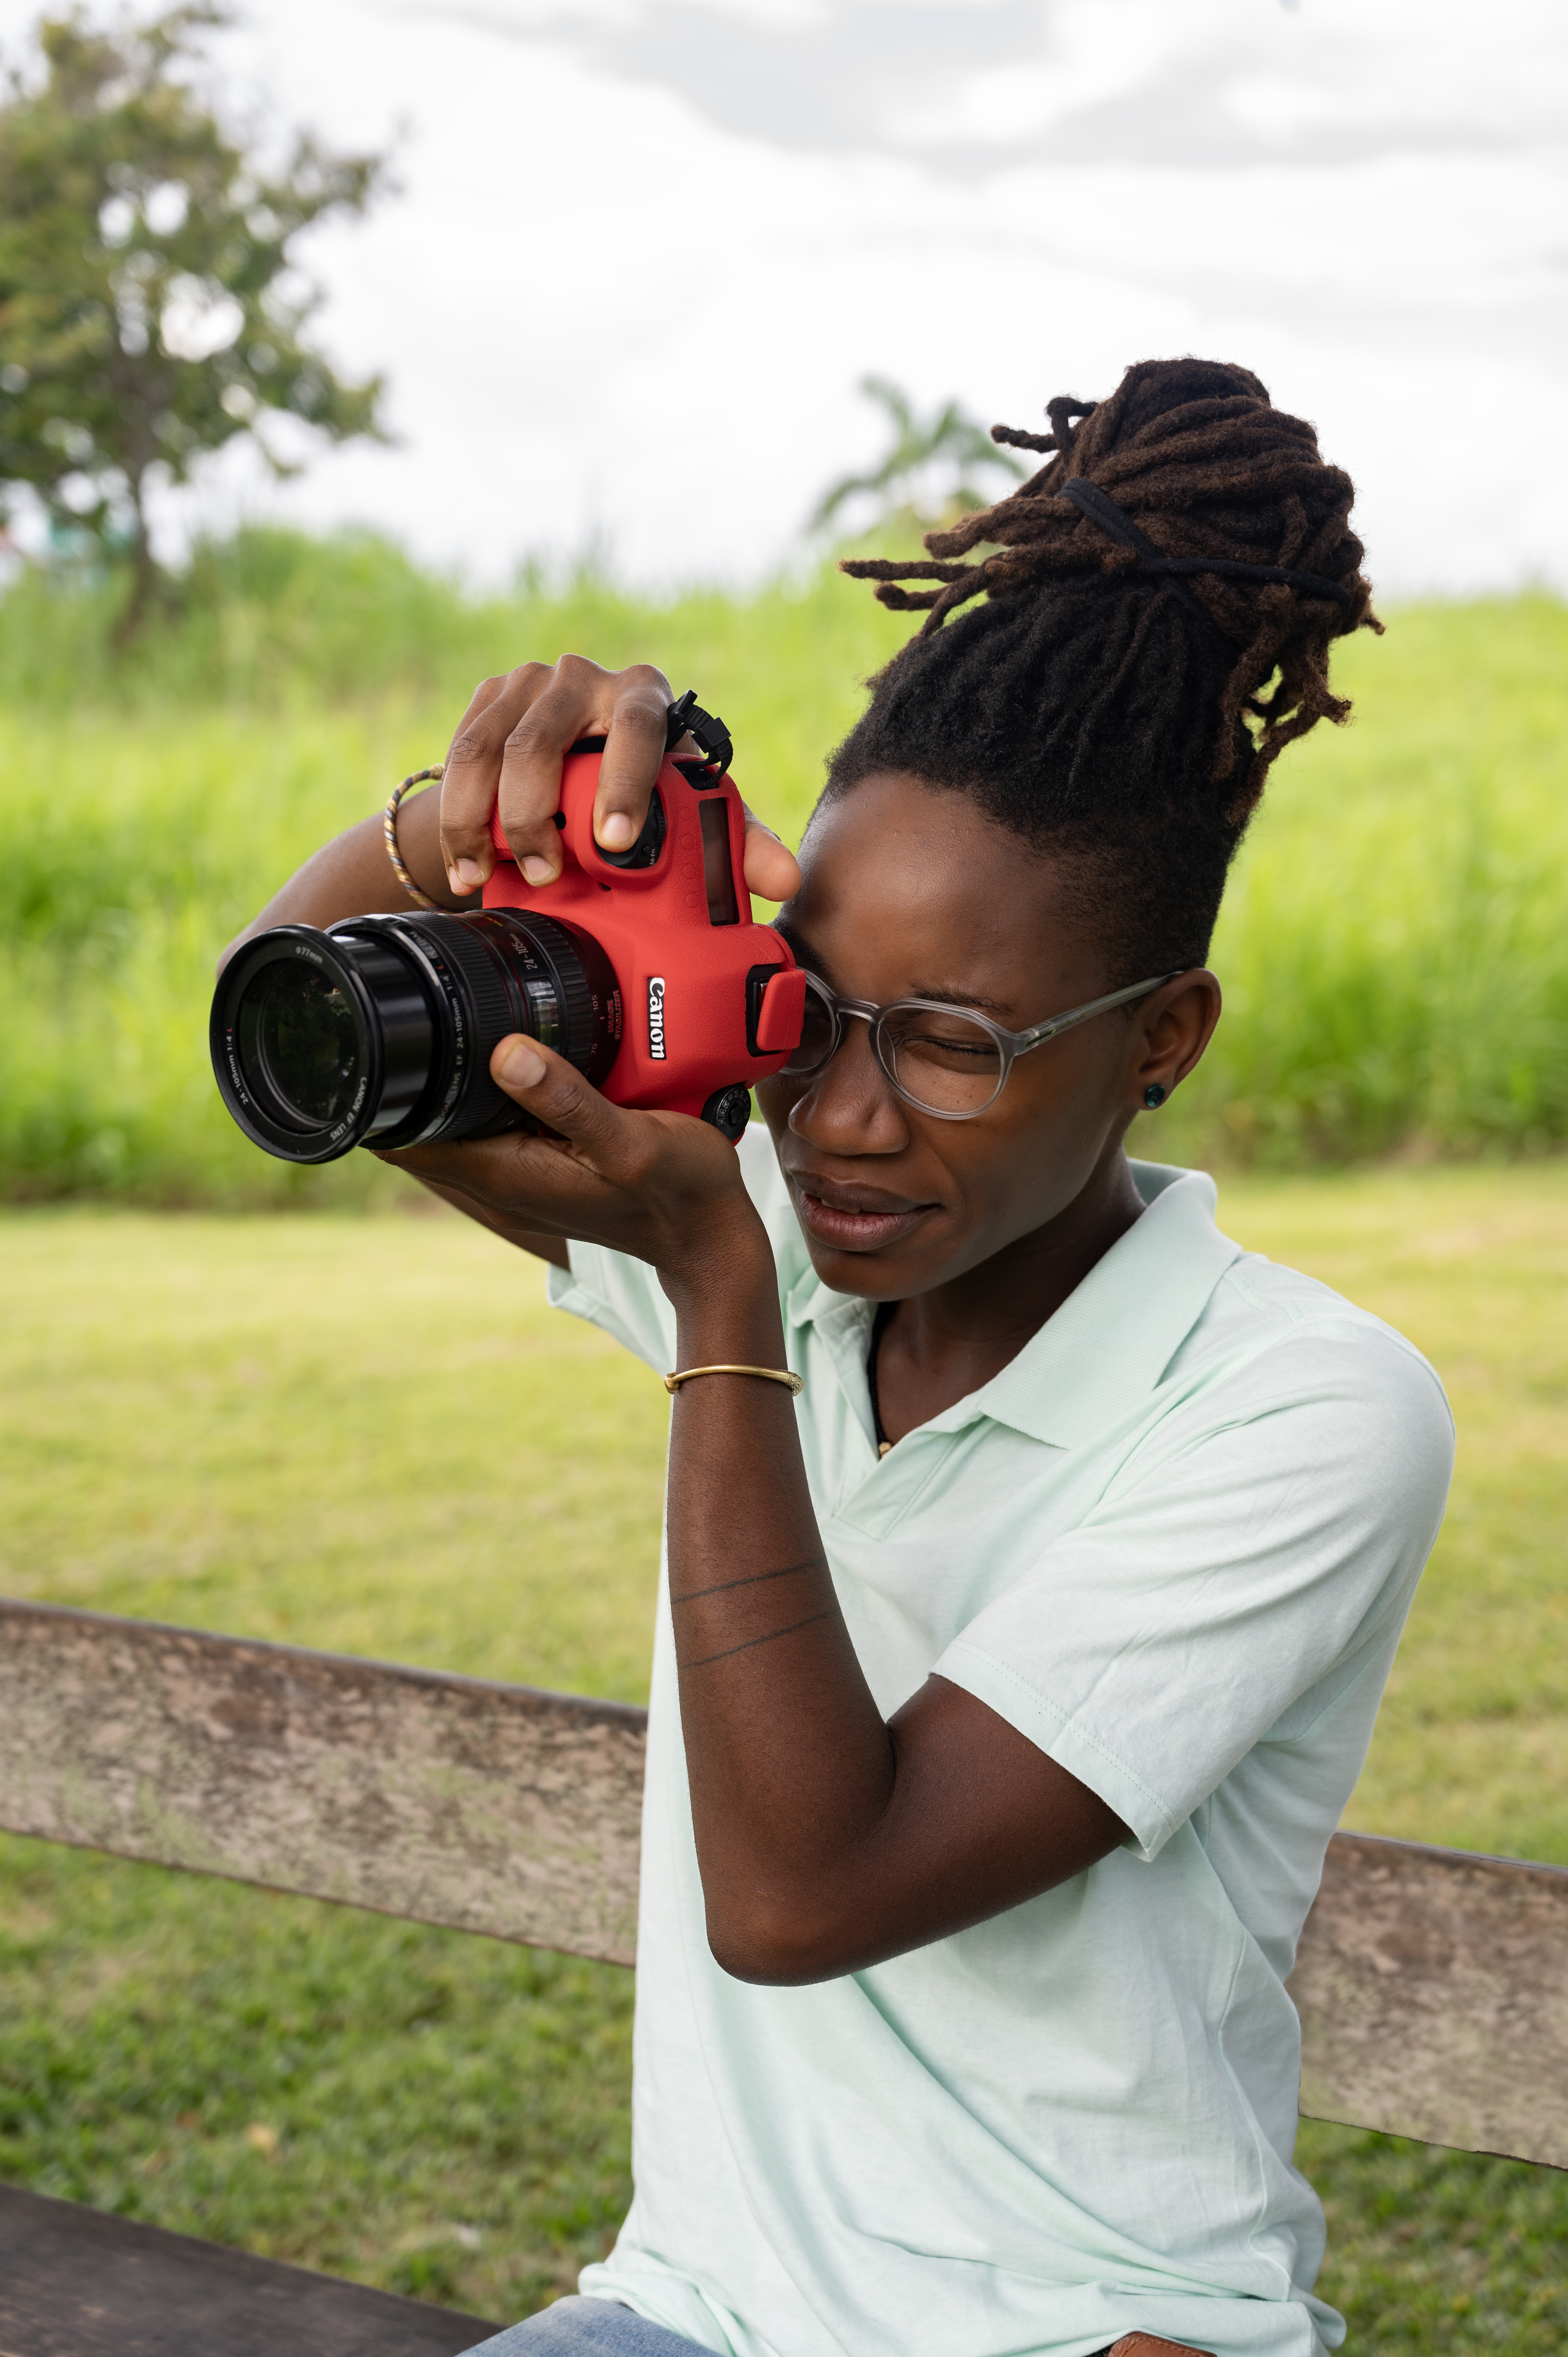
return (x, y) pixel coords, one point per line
(941, 1345)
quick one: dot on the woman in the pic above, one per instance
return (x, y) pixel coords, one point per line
(1010, 1681)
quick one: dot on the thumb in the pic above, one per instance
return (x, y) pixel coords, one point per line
(555, 1094)
(771, 871)
(517, 1066)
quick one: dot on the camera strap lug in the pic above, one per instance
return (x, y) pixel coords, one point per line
(685, 717)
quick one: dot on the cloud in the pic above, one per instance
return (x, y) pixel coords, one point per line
(969, 85)
(646, 249)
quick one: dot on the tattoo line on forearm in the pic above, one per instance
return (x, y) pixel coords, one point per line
(830, 1614)
(808, 1563)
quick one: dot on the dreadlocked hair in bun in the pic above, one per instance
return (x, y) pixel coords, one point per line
(1124, 718)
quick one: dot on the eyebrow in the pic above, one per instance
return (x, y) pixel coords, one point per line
(805, 955)
(801, 950)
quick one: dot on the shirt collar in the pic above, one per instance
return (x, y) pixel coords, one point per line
(1113, 1338)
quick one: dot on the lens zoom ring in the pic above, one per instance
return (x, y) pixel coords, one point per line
(491, 1005)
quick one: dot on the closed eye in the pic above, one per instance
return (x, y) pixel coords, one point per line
(983, 1049)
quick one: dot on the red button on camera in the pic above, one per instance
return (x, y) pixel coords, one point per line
(782, 1012)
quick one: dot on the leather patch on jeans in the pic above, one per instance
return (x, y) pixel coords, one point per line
(1145, 2345)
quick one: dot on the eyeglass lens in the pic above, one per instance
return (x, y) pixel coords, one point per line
(942, 1059)
(947, 1062)
(817, 1035)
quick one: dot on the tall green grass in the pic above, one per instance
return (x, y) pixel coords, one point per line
(1394, 946)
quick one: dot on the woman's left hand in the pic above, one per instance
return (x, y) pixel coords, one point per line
(660, 1186)
(505, 760)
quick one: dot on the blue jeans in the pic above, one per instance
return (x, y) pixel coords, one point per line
(595, 2328)
(577, 2327)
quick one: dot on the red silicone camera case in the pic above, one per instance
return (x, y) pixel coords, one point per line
(683, 978)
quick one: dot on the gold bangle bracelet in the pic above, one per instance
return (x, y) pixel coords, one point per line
(795, 1383)
(389, 833)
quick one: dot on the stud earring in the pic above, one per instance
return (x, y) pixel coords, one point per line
(1153, 1096)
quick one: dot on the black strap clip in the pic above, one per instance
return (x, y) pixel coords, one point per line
(686, 717)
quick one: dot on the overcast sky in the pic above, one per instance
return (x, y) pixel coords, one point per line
(645, 249)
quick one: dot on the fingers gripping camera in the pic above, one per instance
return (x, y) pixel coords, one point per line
(636, 966)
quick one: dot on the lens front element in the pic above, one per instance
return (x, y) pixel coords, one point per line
(299, 1045)
(319, 1044)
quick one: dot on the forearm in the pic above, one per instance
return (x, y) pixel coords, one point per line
(352, 877)
(827, 1838)
(791, 1765)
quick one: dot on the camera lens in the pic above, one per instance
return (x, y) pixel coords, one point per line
(378, 1032)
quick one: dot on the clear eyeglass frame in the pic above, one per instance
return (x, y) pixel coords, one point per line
(1008, 1045)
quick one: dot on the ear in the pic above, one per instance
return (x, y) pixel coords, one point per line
(1170, 1032)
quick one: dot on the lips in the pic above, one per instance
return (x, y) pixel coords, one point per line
(853, 1218)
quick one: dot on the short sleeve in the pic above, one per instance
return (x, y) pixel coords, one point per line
(623, 1296)
(1239, 1572)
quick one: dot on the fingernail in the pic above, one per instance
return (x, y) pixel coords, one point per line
(537, 871)
(467, 875)
(521, 1066)
(618, 832)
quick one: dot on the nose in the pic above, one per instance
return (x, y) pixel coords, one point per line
(846, 1105)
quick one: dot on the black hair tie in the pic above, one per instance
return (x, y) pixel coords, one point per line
(1102, 510)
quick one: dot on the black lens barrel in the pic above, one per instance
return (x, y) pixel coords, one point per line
(380, 1030)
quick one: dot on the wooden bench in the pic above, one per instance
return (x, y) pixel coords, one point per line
(1433, 1986)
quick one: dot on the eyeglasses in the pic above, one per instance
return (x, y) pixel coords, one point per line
(950, 1061)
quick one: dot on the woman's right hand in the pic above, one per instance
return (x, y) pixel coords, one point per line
(506, 758)
(659, 1186)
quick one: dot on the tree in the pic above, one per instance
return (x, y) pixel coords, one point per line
(931, 463)
(149, 308)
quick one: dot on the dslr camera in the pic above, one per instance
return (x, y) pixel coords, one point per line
(637, 966)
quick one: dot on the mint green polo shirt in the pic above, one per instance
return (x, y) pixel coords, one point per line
(1173, 1543)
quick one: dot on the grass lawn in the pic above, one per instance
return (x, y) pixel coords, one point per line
(371, 1434)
